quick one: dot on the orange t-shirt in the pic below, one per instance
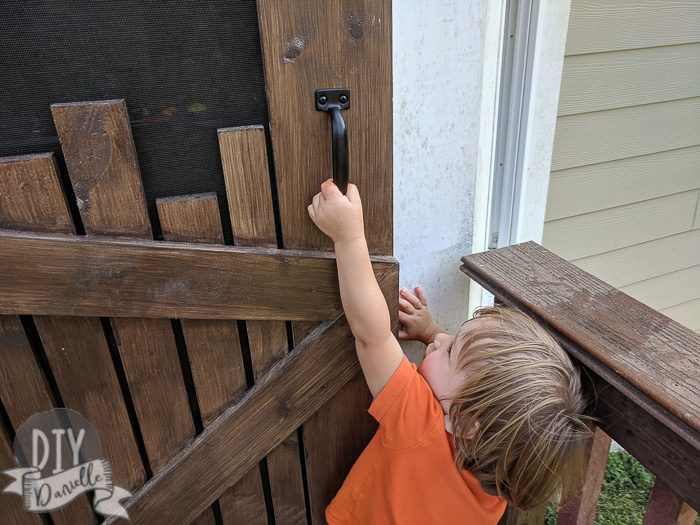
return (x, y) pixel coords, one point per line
(407, 475)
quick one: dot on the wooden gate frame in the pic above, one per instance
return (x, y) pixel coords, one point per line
(61, 274)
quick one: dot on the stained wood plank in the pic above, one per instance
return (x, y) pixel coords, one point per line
(203, 224)
(596, 26)
(10, 504)
(36, 189)
(629, 78)
(36, 176)
(666, 508)
(247, 179)
(103, 166)
(615, 228)
(126, 277)
(581, 509)
(603, 136)
(645, 260)
(348, 44)
(72, 344)
(237, 440)
(102, 163)
(24, 392)
(590, 188)
(642, 363)
(293, 389)
(213, 348)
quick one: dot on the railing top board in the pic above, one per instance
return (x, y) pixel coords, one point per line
(656, 355)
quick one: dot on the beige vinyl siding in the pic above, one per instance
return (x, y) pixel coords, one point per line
(624, 194)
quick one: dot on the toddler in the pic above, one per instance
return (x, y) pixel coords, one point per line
(492, 416)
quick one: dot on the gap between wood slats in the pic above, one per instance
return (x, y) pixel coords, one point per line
(249, 196)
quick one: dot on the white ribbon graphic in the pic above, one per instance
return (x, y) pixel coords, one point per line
(49, 493)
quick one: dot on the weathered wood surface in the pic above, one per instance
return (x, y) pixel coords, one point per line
(71, 344)
(293, 389)
(24, 392)
(101, 159)
(213, 349)
(231, 445)
(643, 367)
(249, 194)
(100, 276)
(11, 504)
(345, 44)
(666, 508)
(103, 167)
(31, 196)
(582, 508)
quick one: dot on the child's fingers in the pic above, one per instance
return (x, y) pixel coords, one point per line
(330, 190)
(408, 296)
(311, 211)
(405, 306)
(352, 193)
(403, 334)
(316, 200)
(421, 296)
(404, 318)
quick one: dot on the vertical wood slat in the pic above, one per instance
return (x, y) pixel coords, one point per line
(244, 162)
(666, 508)
(36, 202)
(214, 351)
(74, 344)
(345, 44)
(102, 163)
(582, 508)
(10, 504)
(24, 392)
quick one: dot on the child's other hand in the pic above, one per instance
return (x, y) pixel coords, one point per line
(338, 216)
(416, 321)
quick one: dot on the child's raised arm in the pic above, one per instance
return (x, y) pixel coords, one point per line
(340, 217)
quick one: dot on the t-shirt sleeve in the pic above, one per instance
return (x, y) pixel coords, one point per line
(406, 409)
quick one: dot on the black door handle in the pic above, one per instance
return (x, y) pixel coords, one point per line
(333, 101)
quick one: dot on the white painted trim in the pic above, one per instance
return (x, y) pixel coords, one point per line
(552, 25)
(550, 40)
(491, 79)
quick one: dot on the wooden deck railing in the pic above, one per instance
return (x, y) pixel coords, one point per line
(641, 370)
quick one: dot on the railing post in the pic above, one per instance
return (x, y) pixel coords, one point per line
(581, 509)
(666, 508)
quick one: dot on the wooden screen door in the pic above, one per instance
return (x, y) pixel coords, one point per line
(157, 342)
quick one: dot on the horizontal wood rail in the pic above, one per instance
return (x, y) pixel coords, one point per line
(281, 400)
(71, 275)
(644, 368)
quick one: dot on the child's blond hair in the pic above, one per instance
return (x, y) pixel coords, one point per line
(525, 394)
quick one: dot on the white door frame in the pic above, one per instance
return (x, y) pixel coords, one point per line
(518, 203)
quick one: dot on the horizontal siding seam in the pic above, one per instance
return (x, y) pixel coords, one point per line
(625, 158)
(574, 261)
(625, 107)
(632, 49)
(663, 275)
(551, 221)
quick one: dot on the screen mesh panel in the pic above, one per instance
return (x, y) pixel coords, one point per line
(184, 69)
